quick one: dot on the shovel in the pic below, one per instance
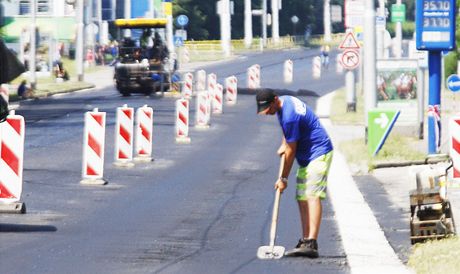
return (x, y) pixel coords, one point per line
(271, 251)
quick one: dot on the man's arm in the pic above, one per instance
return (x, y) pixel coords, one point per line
(289, 156)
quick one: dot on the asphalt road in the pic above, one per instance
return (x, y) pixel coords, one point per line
(203, 207)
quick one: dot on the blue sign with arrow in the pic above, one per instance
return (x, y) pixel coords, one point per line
(182, 20)
(453, 83)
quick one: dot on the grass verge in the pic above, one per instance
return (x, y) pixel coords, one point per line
(436, 256)
(356, 150)
(357, 154)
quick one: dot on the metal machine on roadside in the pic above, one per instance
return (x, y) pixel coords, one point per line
(431, 213)
(143, 63)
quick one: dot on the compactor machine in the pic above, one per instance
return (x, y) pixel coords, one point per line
(430, 210)
(143, 64)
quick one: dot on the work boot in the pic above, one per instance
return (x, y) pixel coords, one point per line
(305, 247)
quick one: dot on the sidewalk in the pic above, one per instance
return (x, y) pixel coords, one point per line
(370, 247)
(367, 249)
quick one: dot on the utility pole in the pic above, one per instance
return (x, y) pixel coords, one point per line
(152, 8)
(275, 21)
(398, 36)
(225, 27)
(99, 19)
(247, 23)
(127, 14)
(381, 30)
(32, 48)
(264, 23)
(369, 78)
(327, 21)
(80, 38)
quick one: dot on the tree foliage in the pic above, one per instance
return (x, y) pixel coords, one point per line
(204, 22)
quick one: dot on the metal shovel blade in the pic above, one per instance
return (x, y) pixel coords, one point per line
(270, 252)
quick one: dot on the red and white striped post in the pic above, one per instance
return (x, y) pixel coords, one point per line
(93, 148)
(202, 117)
(251, 76)
(185, 55)
(200, 80)
(257, 75)
(231, 84)
(124, 136)
(317, 67)
(12, 132)
(212, 86)
(188, 86)
(182, 121)
(144, 130)
(455, 147)
(338, 64)
(218, 99)
(288, 71)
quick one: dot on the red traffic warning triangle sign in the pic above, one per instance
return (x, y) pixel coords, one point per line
(349, 42)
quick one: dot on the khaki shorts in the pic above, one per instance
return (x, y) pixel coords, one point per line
(312, 179)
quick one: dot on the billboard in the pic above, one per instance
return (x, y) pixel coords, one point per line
(397, 87)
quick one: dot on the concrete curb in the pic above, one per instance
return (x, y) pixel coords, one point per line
(364, 242)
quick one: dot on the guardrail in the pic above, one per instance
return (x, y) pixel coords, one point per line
(208, 50)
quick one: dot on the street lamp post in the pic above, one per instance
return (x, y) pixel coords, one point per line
(80, 37)
(294, 20)
(79, 7)
(32, 49)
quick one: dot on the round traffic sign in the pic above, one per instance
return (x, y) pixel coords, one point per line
(453, 83)
(350, 59)
(182, 20)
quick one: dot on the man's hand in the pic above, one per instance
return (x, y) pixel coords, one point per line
(280, 185)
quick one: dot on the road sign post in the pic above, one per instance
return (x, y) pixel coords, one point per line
(350, 60)
(435, 32)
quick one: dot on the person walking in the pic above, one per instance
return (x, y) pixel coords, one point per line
(304, 139)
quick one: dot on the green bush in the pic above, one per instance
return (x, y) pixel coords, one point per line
(450, 63)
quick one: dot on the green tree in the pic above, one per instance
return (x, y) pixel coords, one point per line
(204, 22)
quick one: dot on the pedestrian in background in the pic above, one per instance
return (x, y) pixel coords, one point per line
(304, 139)
(24, 90)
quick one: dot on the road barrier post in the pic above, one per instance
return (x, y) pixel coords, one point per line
(251, 78)
(124, 137)
(188, 86)
(144, 130)
(338, 64)
(316, 67)
(218, 99)
(182, 121)
(202, 120)
(200, 80)
(93, 148)
(455, 147)
(231, 84)
(11, 163)
(288, 71)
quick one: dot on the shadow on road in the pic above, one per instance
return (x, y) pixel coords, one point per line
(26, 228)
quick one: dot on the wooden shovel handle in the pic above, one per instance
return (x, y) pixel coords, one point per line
(276, 207)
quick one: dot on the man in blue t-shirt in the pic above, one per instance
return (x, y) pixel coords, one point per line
(304, 139)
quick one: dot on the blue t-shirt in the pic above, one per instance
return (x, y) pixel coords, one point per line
(300, 124)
